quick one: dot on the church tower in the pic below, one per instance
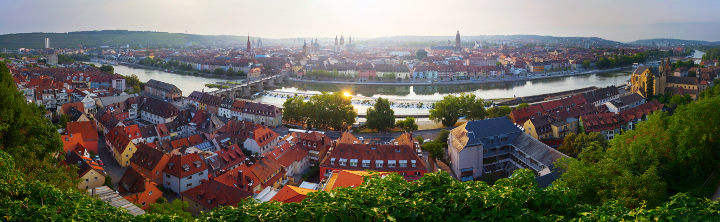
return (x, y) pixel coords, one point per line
(304, 49)
(458, 45)
(342, 40)
(248, 48)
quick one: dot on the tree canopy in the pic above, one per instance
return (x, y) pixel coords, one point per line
(381, 117)
(325, 111)
(408, 124)
(449, 110)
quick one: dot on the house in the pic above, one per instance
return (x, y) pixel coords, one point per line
(162, 90)
(88, 132)
(184, 172)
(225, 160)
(72, 142)
(212, 194)
(261, 140)
(316, 143)
(294, 159)
(138, 189)
(346, 178)
(400, 157)
(291, 194)
(157, 111)
(625, 102)
(90, 173)
(260, 174)
(496, 146)
(121, 146)
(150, 162)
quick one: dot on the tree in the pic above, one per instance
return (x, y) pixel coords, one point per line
(175, 208)
(381, 117)
(435, 148)
(408, 124)
(107, 69)
(498, 111)
(420, 139)
(63, 120)
(586, 64)
(134, 82)
(522, 106)
(219, 71)
(327, 111)
(451, 108)
(30, 138)
(108, 182)
(573, 143)
(443, 137)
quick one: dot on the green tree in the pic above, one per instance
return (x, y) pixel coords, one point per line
(451, 108)
(326, 111)
(498, 111)
(63, 120)
(522, 106)
(30, 138)
(408, 124)
(435, 148)
(134, 83)
(573, 143)
(175, 208)
(107, 69)
(381, 117)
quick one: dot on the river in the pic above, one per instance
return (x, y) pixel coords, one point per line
(401, 95)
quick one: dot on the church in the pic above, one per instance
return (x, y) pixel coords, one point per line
(650, 81)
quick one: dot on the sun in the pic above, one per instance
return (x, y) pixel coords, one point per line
(347, 94)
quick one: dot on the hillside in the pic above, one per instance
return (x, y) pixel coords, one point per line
(120, 38)
(116, 38)
(672, 42)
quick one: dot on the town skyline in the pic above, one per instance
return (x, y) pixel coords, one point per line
(373, 19)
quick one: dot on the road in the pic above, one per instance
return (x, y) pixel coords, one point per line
(112, 168)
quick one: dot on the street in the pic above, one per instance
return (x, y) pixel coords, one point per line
(112, 168)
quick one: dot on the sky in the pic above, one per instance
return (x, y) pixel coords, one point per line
(619, 20)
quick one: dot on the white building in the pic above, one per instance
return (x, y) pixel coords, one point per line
(184, 172)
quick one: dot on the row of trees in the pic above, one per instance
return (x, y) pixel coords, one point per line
(325, 111)
(620, 60)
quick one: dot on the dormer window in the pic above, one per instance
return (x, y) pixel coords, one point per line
(366, 163)
(379, 163)
(403, 163)
(332, 161)
(353, 162)
(412, 163)
(343, 161)
(391, 163)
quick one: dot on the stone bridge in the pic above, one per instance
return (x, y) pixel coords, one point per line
(246, 89)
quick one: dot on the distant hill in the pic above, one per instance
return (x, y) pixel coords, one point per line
(672, 42)
(119, 38)
(115, 38)
(595, 41)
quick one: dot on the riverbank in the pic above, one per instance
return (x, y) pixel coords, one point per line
(466, 82)
(182, 73)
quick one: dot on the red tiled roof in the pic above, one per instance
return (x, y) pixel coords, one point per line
(264, 135)
(178, 163)
(72, 141)
(212, 194)
(291, 194)
(118, 139)
(86, 128)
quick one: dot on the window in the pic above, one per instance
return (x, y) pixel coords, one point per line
(412, 163)
(342, 161)
(403, 163)
(143, 203)
(366, 163)
(190, 177)
(332, 161)
(167, 175)
(379, 163)
(150, 193)
(189, 184)
(86, 180)
(201, 173)
(353, 162)
(391, 163)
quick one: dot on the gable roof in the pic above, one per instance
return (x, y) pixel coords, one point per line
(291, 194)
(185, 165)
(147, 157)
(72, 141)
(212, 194)
(86, 128)
(131, 182)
